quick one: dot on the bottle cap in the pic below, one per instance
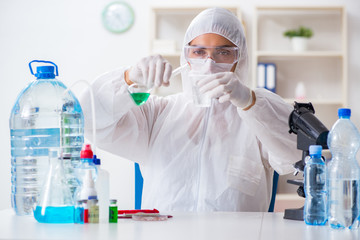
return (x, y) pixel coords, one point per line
(86, 152)
(45, 72)
(344, 112)
(113, 201)
(97, 161)
(92, 197)
(315, 149)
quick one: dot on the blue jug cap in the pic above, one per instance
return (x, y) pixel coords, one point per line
(96, 160)
(344, 112)
(315, 149)
(45, 72)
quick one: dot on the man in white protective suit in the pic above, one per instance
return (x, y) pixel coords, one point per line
(217, 158)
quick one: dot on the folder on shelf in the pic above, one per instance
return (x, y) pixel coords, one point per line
(266, 76)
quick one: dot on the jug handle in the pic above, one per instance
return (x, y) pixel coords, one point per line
(42, 61)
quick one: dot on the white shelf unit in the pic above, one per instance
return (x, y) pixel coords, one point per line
(168, 25)
(322, 67)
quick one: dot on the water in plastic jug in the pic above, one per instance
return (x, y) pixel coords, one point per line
(44, 116)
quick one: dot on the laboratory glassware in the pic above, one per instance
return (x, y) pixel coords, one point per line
(55, 203)
(140, 93)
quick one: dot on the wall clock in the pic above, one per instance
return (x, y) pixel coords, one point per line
(118, 17)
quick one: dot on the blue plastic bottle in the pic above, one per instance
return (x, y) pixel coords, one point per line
(43, 116)
(315, 188)
(343, 173)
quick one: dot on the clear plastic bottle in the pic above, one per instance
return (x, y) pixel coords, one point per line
(315, 188)
(44, 115)
(102, 187)
(86, 162)
(343, 173)
(55, 203)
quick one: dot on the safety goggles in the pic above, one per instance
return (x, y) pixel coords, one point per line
(218, 54)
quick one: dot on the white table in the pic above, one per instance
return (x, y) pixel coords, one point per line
(216, 225)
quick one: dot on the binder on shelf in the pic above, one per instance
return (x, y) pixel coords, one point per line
(266, 76)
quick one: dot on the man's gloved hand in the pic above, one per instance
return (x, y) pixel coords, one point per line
(226, 87)
(151, 71)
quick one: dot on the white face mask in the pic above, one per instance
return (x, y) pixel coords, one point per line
(209, 66)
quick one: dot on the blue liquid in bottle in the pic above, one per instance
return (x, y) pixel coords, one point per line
(79, 212)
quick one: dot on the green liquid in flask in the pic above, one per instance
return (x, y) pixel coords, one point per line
(140, 98)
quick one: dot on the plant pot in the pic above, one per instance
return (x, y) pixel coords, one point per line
(299, 44)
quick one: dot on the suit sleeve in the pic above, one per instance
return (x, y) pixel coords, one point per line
(268, 119)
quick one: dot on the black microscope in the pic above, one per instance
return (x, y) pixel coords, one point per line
(310, 131)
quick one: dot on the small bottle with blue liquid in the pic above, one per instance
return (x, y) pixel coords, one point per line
(79, 212)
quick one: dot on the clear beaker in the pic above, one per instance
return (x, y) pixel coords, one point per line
(55, 203)
(199, 99)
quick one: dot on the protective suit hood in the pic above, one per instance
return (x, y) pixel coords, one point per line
(222, 22)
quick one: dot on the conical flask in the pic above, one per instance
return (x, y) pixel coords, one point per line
(55, 204)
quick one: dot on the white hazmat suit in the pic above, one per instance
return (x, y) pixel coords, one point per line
(219, 158)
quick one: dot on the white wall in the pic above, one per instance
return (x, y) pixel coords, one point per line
(71, 34)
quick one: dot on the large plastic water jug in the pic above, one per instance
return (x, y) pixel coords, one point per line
(45, 115)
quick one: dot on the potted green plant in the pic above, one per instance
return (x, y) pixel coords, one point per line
(299, 37)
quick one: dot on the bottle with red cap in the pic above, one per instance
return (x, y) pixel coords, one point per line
(86, 165)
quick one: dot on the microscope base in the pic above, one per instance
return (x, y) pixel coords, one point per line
(294, 214)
